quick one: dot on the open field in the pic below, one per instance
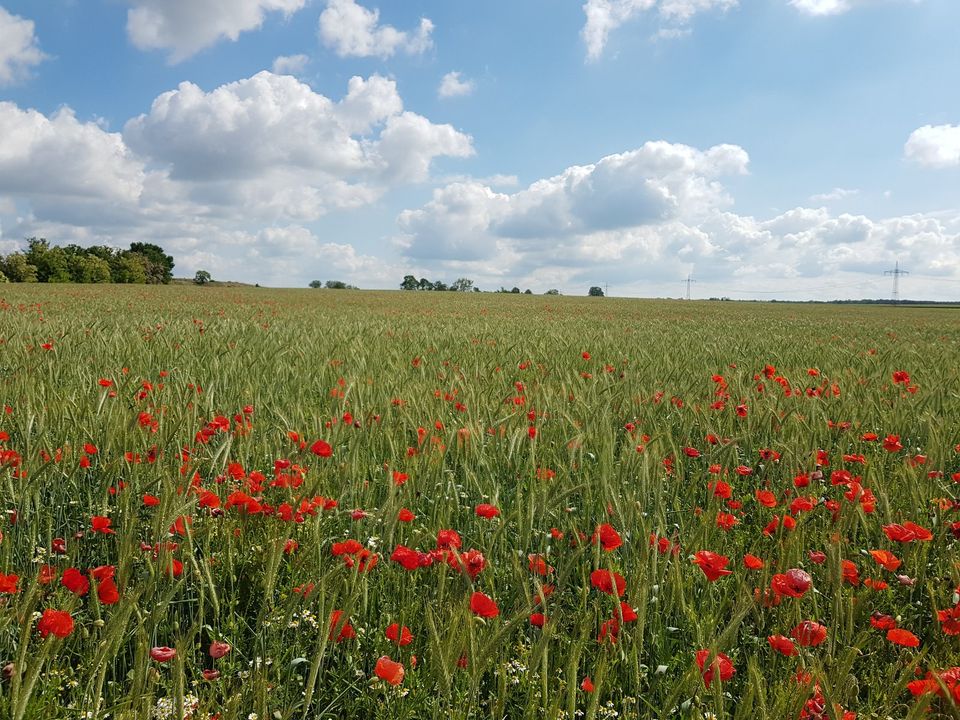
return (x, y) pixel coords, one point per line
(185, 468)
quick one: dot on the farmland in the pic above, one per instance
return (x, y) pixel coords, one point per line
(247, 503)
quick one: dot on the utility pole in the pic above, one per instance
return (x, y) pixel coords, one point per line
(896, 272)
(689, 281)
(606, 289)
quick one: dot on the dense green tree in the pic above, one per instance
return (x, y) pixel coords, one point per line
(130, 269)
(409, 283)
(158, 266)
(462, 285)
(552, 291)
(202, 277)
(17, 269)
(595, 291)
(316, 284)
(94, 270)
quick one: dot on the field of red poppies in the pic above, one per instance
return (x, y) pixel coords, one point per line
(244, 503)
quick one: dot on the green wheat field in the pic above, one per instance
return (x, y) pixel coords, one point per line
(250, 503)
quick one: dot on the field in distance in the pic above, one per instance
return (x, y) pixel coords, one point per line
(229, 502)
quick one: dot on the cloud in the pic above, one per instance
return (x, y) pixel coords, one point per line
(834, 195)
(273, 146)
(453, 86)
(211, 175)
(19, 48)
(184, 27)
(830, 7)
(351, 30)
(645, 219)
(645, 187)
(936, 146)
(290, 64)
(605, 16)
(62, 158)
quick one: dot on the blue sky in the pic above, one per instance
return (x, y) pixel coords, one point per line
(768, 148)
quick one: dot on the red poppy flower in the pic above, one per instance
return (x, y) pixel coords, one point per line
(218, 649)
(322, 449)
(340, 632)
(483, 605)
(163, 654)
(612, 583)
(448, 539)
(725, 521)
(752, 562)
(400, 635)
(627, 613)
(849, 572)
(891, 443)
(538, 620)
(883, 622)
(712, 564)
(782, 645)
(389, 671)
(75, 581)
(405, 557)
(809, 633)
(57, 622)
(538, 565)
(886, 559)
(608, 537)
(486, 511)
(899, 636)
(766, 498)
(587, 685)
(793, 583)
(405, 515)
(908, 532)
(150, 500)
(721, 665)
(101, 524)
(107, 592)
(8, 584)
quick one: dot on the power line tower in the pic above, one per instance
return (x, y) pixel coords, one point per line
(688, 282)
(896, 272)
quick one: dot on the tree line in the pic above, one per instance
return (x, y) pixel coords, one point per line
(143, 263)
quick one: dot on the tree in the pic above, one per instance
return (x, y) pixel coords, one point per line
(17, 269)
(339, 285)
(440, 286)
(595, 291)
(202, 277)
(409, 283)
(93, 269)
(3, 278)
(462, 285)
(159, 265)
(528, 291)
(316, 284)
(130, 269)
(552, 291)
(424, 284)
(515, 291)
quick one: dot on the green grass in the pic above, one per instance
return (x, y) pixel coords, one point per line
(431, 384)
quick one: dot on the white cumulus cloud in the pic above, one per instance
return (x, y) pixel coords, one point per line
(645, 219)
(19, 48)
(934, 146)
(290, 64)
(352, 30)
(453, 85)
(184, 27)
(605, 16)
(271, 143)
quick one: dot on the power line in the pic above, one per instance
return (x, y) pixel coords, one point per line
(688, 282)
(896, 272)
